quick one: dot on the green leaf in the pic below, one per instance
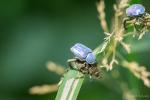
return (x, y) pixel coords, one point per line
(135, 1)
(70, 85)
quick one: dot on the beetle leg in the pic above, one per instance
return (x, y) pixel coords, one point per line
(83, 68)
(137, 28)
(146, 16)
(130, 21)
(142, 24)
(125, 22)
(71, 60)
(72, 63)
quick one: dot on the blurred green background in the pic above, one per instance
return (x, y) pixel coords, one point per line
(33, 32)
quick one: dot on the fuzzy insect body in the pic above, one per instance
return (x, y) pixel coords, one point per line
(85, 60)
(135, 10)
(137, 17)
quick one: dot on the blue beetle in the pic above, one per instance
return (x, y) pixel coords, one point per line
(135, 10)
(83, 53)
(85, 61)
(137, 16)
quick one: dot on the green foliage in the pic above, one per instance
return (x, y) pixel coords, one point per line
(135, 1)
(34, 32)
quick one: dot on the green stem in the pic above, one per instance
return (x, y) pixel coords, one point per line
(70, 85)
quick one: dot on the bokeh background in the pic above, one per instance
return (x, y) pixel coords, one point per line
(33, 32)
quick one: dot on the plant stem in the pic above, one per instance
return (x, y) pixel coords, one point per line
(70, 85)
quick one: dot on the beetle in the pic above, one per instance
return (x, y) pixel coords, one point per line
(83, 53)
(137, 16)
(85, 60)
